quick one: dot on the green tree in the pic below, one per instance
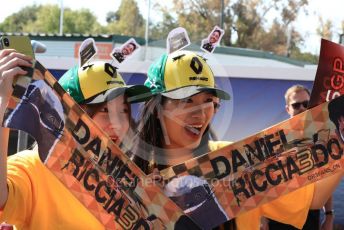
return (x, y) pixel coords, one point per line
(127, 20)
(111, 17)
(46, 19)
(198, 17)
(81, 21)
(306, 57)
(17, 21)
(275, 35)
(244, 21)
(247, 22)
(160, 30)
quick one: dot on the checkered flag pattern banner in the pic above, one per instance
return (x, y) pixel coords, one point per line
(269, 164)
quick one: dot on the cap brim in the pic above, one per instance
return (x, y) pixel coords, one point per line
(189, 91)
(135, 93)
(138, 93)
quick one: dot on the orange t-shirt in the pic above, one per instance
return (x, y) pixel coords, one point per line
(38, 200)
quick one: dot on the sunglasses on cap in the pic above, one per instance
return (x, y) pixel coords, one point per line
(297, 105)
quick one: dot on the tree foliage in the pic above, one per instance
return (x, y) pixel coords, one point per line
(127, 20)
(325, 29)
(198, 17)
(160, 30)
(244, 22)
(17, 21)
(46, 19)
(81, 21)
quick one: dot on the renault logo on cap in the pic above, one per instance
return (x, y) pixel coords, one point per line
(196, 65)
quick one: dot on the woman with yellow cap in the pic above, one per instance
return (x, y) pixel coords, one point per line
(173, 128)
(31, 197)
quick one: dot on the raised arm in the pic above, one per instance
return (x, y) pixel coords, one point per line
(10, 63)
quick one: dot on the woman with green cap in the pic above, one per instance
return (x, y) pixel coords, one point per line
(173, 128)
(31, 197)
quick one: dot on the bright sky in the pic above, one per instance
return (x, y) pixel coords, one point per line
(306, 24)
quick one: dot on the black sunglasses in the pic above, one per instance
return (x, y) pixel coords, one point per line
(297, 105)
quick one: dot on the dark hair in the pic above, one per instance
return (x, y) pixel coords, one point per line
(92, 109)
(149, 140)
(336, 110)
(218, 31)
(133, 44)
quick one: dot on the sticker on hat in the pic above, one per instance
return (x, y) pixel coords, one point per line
(126, 51)
(177, 39)
(213, 40)
(87, 51)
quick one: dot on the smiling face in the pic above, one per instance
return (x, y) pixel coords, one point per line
(214, 37)
(185, 121)
(113, 118)
(128, 49)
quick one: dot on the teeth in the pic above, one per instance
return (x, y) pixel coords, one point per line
(194, 129)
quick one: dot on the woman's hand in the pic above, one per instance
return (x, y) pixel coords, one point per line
(10, 67)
